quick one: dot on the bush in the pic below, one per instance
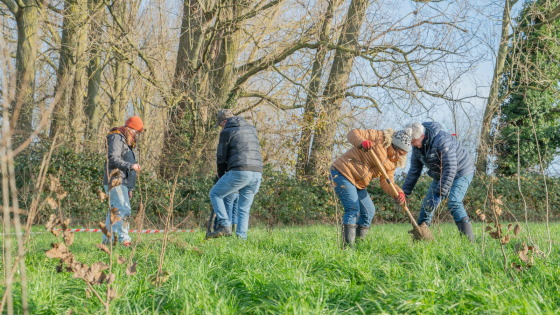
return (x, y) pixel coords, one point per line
(281, 200)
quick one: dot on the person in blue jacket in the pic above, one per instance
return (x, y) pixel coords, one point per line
(451, 168)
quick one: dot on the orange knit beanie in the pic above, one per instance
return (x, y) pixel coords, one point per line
(135, 123)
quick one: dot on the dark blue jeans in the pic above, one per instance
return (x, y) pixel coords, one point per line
(231, 203)
(454, 203)
(358, 207)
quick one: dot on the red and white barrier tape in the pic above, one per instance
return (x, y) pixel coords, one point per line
(129, 231)
(133, 231)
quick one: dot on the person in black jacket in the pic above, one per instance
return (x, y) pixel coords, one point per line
(121, 164)
(240, 168)
(451, 168)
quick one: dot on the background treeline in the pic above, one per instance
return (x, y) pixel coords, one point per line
(303, 72)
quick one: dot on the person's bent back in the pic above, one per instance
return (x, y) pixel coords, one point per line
(239, 164)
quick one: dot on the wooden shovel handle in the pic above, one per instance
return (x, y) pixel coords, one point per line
(384, 173)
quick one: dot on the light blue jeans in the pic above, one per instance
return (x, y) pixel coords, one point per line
(454, 203)
(231, 203)
(247, 183)
(358, 207)
(118, 198)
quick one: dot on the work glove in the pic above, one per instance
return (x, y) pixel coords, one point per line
(366, 145)
(400, 198)
(433, 202)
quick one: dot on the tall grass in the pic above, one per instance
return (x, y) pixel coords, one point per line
(300, 270)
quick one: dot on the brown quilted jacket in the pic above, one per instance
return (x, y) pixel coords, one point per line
(359, 167)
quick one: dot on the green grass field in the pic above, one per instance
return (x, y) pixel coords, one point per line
(300, 270)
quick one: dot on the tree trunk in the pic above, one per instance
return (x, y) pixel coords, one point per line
(312, 99)
(333, 95)
(71, 65)
(27, 27)
(119, 98)
(80, 13)
(493, 102)
(94, 71)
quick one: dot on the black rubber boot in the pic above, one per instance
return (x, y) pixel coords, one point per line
(465, 228)
(348, 235)
(220, 231)
(361, 233)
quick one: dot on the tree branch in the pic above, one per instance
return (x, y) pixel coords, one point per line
(270, 100)
(12, 6)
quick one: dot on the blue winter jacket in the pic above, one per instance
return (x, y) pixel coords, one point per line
(443, 155)
(239, 148)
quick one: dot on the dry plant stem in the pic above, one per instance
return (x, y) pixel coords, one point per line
(544, 181)
(520, 191)
(7, 228)
(496, 217)
(17, 224)
(33, 210)
(167, 224)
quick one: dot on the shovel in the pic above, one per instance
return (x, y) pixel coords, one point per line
(418, 233)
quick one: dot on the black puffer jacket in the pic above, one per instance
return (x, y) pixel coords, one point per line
(120, 157)
(239, 148)
(444, 157)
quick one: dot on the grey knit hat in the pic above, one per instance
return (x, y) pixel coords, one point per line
(402, 139)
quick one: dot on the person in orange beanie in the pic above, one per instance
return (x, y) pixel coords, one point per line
(121, 142)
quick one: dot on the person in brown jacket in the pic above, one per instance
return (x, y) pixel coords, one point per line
(352, 172)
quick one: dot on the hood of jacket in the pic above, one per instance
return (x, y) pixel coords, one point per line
(235, 121)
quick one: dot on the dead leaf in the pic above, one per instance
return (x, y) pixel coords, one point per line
(114, 173)
(54, 183)
(100, 266)
(523, 253)
(55, 232)
(478, 212)
(516, 229)
(104, 229)
(115, 215)
(505, 240)
(52, 203)
(68, 238)
(65, 224)
(88, 294)
(120, 260)
(517, 246)
(483, 217)
(115, 182)
(61, 194)
(102, 195)
(131, 270)
(104, 248)
(111, 293)
(510, 227)
(52, 222)
(495, 235)
(110, 278)
(488, 228)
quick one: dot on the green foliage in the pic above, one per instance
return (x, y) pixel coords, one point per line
(282, 199)
(301, 270)
(533, 66)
